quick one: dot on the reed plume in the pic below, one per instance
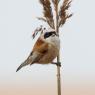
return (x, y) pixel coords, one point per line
(63, 15)
(47, 11)
(55, 3)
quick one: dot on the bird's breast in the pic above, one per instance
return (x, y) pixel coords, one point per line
(50, 55)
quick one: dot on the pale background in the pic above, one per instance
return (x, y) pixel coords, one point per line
(17, 21)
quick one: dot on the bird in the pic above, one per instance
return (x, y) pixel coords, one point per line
(45, 50)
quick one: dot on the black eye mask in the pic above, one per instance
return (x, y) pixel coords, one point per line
(48, 34)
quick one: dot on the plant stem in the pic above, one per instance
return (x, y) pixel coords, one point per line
(58, 78)
(58, 57)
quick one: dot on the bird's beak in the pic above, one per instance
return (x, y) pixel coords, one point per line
(56, 34)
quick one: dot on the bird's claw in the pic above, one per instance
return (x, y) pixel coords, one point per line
(57, 63)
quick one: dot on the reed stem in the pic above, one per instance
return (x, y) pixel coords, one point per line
(58, 57)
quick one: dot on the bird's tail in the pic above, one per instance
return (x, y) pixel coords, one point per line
(22, 65)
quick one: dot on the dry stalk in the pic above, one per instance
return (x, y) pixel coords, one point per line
(63, 15)
(55, 3)
(48, 12)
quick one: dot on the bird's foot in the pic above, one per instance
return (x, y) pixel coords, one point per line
(57, 63)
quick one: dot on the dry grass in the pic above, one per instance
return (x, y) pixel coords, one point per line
(63, 15)
(48, 14)
(47, 11)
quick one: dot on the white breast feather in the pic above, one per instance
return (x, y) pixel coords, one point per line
(55, 41)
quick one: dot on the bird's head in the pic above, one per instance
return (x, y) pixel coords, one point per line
(49, 36)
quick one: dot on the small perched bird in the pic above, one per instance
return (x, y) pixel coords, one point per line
(45, 50)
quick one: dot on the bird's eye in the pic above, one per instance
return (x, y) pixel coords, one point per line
(47, 35)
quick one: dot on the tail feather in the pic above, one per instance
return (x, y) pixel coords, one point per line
(29, 60)
(22, 65)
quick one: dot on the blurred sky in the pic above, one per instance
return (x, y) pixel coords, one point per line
(17, 22)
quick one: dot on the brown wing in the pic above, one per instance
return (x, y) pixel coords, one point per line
(40, 46)
(39, 50)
